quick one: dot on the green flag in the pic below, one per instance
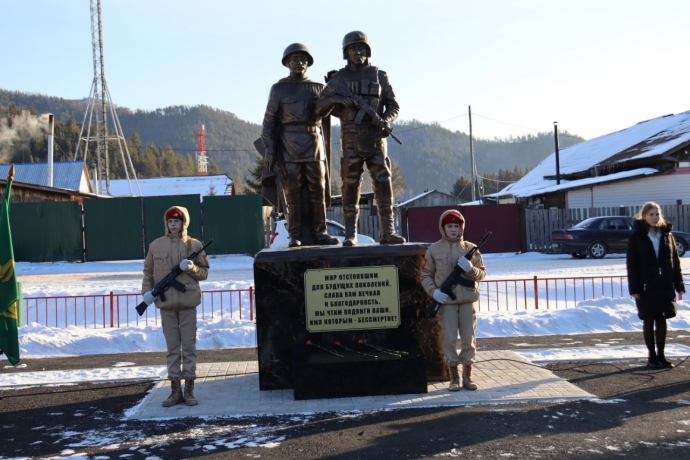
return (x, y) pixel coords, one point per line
(9, 294)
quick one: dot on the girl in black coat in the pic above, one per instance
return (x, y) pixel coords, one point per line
(654, 277)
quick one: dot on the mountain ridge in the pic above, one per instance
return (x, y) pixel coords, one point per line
(431, 157)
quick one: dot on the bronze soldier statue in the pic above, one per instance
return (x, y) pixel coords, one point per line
(293, 142)
(363, 133)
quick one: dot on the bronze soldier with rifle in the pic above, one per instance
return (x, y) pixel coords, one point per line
(362, 97)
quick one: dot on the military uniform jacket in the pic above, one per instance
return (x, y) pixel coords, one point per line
(374, 87)
(291, 129)
(166, 253)
(440, 260)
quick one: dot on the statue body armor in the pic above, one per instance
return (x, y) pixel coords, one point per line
(362, 142)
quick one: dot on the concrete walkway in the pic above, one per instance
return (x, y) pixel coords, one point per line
(232, 389)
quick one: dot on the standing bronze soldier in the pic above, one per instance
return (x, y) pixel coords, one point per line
(292, 137)
(363, 133)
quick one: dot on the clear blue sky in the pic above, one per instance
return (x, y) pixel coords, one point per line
(594, 66)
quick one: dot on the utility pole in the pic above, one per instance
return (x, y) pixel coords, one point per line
(558, 159)
(100, 102)
(474, 169)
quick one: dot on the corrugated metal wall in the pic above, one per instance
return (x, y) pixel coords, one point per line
(234, 223)
(47, 231)
(113, 229)
(155, 207)
(664, 189)
(503, 220)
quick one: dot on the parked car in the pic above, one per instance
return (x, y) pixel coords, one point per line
(281, 236)
(598, 236)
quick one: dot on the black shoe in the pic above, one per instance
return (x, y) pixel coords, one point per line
(295, 243)
(653, 362)
(665, 363)
(349, 242)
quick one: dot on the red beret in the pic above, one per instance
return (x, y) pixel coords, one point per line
(174, 214)
(453, 217)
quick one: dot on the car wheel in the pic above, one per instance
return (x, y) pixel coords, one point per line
(682, 246)
(579, 255)
(597, 249)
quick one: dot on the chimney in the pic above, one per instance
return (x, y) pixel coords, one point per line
(51, 130)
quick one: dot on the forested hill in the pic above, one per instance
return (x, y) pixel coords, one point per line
(432, 157)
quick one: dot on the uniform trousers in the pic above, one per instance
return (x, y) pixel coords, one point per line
(179, 329)
(462, 318)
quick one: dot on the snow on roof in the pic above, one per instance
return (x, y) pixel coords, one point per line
(414, 198)
(165, 186)
(643, 140)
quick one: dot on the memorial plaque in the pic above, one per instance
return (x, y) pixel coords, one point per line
(351, 299)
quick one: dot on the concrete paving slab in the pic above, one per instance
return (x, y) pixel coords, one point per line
(232, 389)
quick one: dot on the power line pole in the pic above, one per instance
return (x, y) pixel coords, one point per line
(558, 159)
(100, 102)
(472, 166)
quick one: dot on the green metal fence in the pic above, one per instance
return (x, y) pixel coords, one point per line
(235, 223)
(155, 207)
(122, 228)
(113, 229)
(46, 231)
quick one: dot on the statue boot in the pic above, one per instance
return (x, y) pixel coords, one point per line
(350, 191)
(350, 229)
(295, 225)
(321, 235)
(388, 235)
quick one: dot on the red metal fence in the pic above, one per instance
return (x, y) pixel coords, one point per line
(117, 310)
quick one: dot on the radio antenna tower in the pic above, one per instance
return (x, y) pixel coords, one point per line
(100, 103)
(201, 159)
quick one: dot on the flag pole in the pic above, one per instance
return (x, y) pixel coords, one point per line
(9, 292)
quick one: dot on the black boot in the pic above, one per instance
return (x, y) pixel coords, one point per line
(660, 335)
(648, 333)
(663, 362)
(653, 361)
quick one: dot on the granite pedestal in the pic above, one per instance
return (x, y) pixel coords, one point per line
(280, 307)
(319, 374)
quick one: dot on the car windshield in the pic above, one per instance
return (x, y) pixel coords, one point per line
(586, 223)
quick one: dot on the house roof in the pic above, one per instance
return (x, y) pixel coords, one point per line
(617, 153)
(182, 185)
(66, 174)
(427, 193)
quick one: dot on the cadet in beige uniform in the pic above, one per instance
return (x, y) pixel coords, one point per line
(459, 314)
(178, 310)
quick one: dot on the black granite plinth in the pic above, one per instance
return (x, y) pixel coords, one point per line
(319, 374)
(280, 305)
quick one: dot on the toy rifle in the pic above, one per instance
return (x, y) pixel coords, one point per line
(170, 281)
(456, 277)
(363, 105)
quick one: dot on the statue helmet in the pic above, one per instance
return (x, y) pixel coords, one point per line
(355, 37)
(297, 48)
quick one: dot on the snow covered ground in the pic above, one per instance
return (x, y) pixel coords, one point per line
(235, 272)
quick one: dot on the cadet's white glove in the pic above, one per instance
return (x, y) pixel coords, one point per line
(464, 264)
(439, 296)
(186, 266)
(148, 297)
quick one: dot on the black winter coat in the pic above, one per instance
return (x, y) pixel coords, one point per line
(656, 280)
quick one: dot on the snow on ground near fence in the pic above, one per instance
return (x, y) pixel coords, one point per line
(231, 272)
